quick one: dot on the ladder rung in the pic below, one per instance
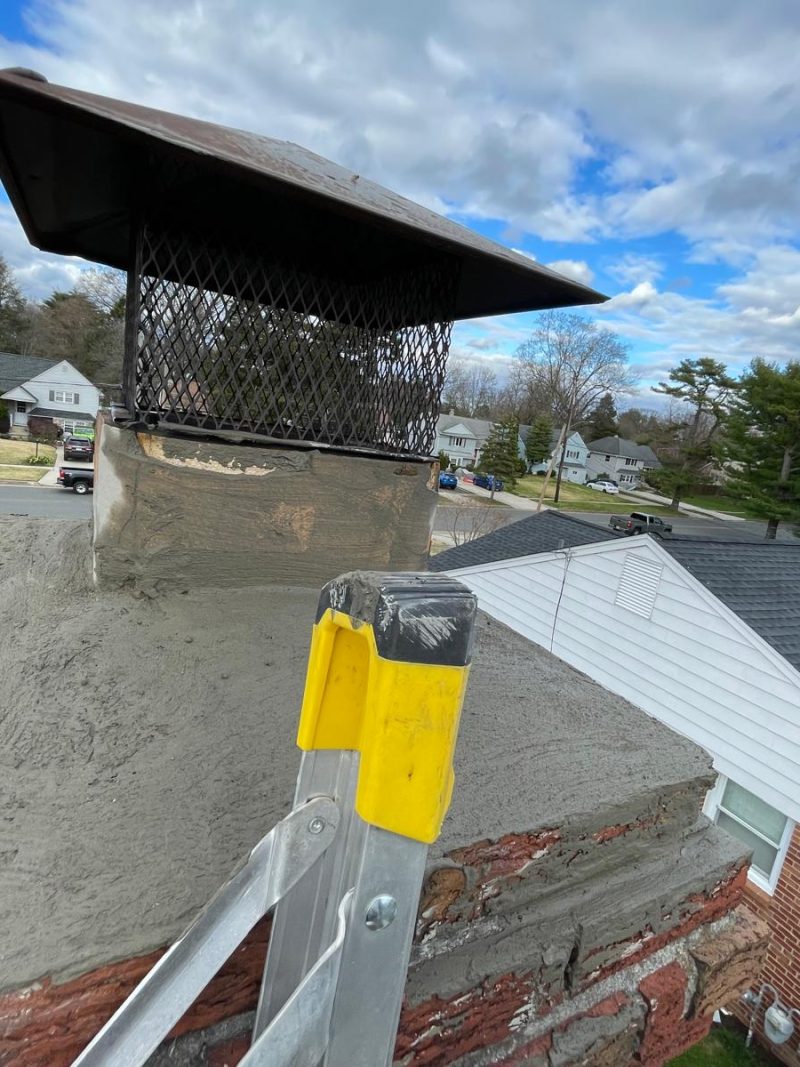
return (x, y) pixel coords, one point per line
(172, 986)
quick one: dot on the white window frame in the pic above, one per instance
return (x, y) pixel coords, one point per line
(61, 396)
(711, 809)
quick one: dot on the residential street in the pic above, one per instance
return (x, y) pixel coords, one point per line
(43, 503)
(448, 515)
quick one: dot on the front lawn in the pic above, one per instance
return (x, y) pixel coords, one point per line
(22, 474)
(18, 452)
(578, 498)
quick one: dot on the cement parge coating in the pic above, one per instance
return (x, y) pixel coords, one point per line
(146, 744)
(165, 506)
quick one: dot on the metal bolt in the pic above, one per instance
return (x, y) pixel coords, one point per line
(317, 825)
(381, 912)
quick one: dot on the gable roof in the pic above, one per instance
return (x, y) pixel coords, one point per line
(758, 580)
(477, 428)
(16, 370)
(543, 532)
(616, 446)
(648, 456)
(458, 429)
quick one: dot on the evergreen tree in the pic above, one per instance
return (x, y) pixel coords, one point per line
(761, 445)
(500, 454)
(603, 421)
(538, 444)
(705, 385)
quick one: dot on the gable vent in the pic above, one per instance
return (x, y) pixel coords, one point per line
(638, 584)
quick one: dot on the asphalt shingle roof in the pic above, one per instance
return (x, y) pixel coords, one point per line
(544, 532)
(616, 446)
(760, 581)
(16, 370)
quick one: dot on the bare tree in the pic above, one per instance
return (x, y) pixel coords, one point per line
(469, 523)
(570, 363)
(470, 389)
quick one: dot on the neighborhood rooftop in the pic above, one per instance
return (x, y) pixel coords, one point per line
(544, 532)
(620, 446)
(758, 580)
(15, 370)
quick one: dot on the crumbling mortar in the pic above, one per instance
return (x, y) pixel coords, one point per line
(625, 981)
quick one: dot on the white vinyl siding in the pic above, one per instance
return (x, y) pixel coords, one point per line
(690, 664)
(63, 381)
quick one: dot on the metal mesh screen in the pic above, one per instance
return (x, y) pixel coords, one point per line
(223, 340)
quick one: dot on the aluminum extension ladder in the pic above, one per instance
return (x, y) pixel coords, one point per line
(386, 679)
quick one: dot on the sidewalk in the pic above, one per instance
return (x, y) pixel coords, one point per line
(51, 476)
(521, 503)
(689, 509)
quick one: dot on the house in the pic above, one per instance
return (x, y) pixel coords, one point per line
(463, 438)
(39, 392)
(620, 460)
(705, 637)
(575, 457)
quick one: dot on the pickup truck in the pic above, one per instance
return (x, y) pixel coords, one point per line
(78, 479)
(637, 522)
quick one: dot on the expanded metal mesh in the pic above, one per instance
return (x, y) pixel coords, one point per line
(223, 340)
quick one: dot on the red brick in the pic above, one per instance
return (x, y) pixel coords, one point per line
(667, 1033)
(49, 1024)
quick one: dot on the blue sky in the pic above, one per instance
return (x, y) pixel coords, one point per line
(652, 151)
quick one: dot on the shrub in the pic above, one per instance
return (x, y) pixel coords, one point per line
(39, 461)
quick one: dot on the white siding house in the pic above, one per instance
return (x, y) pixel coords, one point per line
(621, 460)
(463, 438)
(575, 458)
(633, 618)
(47, 389)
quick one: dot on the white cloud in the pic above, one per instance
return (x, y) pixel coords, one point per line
(577, 269)
(632, 268)
(617, 120)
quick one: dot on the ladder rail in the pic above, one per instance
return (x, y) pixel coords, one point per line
(299, 1034)
(171, 987)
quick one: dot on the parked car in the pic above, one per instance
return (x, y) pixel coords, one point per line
(78, 479)
(637, 522)
(78, 448)
(603, 485)
(447, 480)
(488, 481)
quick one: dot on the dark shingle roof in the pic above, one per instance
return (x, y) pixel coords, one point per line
(544, 532)
(760, 581)
(16, 370)
(616, 446)
(60, 413)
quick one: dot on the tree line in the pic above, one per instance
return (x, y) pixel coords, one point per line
(84, 325)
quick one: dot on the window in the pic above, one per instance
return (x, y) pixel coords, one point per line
(630, 462)
(458, 442)
(572, 453)
(22, 407)
(756, 824)
(608, 459)
(62, 397)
